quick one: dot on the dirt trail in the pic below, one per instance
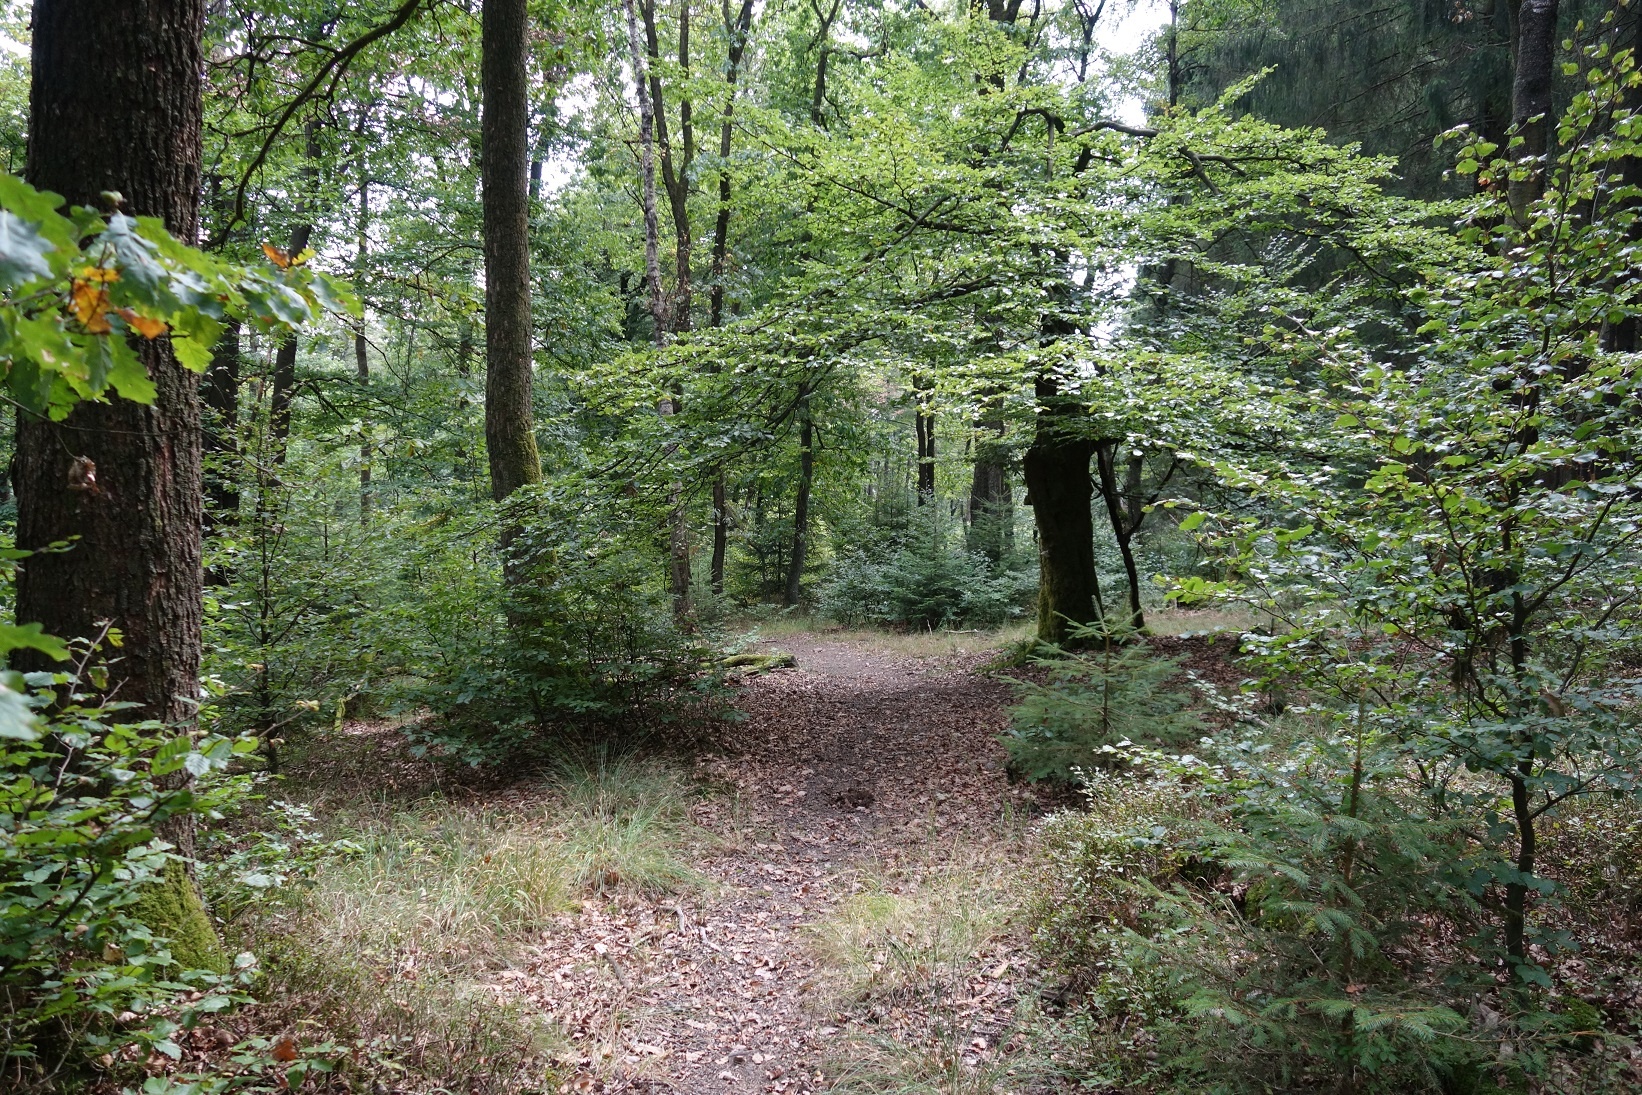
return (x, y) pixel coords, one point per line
(854, 762)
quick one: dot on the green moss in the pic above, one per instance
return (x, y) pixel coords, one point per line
(172, 908)
(751, 664)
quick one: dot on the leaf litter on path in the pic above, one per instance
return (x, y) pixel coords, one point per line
(856, 779)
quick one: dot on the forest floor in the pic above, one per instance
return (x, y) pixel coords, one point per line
(857, 922)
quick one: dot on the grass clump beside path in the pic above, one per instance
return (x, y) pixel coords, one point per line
(406, 912)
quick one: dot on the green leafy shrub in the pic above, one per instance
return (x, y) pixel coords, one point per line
(926, 579)
(584, 637)
(1096, 870)
(1095, 698)
(103, 943)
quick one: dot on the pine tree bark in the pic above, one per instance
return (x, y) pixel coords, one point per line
(115, 106)
(510, 432)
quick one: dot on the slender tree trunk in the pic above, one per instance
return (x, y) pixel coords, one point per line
(737, 30)
(801, 511)
(361, 346)
(115, 106)
(284, 393)
(220, 391)
(823, 37)
(721, 533)
(991, 506)
(1531, 98)
(924, 426)
(675, 172)
(647, 178)
(678, 548)
(510, 429)
(1124, 520)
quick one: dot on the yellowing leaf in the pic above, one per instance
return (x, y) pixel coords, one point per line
(99, 273)
(143, 325)
(89, 302)
(276, 256)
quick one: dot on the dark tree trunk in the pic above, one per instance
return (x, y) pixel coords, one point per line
(510, 433)
(1621, 336)
(1124, 511)
(924, 426)
(361, 345)
(801, 511)
(1059, 490)
(651, 117)
(284, 388)
(675, 172)
(1531, 97)
(115, 106)
(721, 533)
(991, 505)
(823, 38)
(737, 32)
(220, 391)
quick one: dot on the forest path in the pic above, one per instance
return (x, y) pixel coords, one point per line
(859, 772)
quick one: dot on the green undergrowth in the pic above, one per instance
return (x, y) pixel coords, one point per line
(1204, 932)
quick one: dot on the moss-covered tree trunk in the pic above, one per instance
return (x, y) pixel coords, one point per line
(115, 106)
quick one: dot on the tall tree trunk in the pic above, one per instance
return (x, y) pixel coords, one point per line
(1531, 98)
(721, 532)
(1123, 511)
(220, 391)
(738, 31)
(510, 429)
(801, 511)
(1621, 336)
(678, 551)
(284, 389)
(675, 173)
(361, 355)
(991, 505)
(115, 106)
(1059, 490)
(924, 427)
(647, 177)
(823, 37)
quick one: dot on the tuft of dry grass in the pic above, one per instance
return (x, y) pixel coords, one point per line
(916, 933)
(908, 644)
(390, 945)
(1193, 621)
